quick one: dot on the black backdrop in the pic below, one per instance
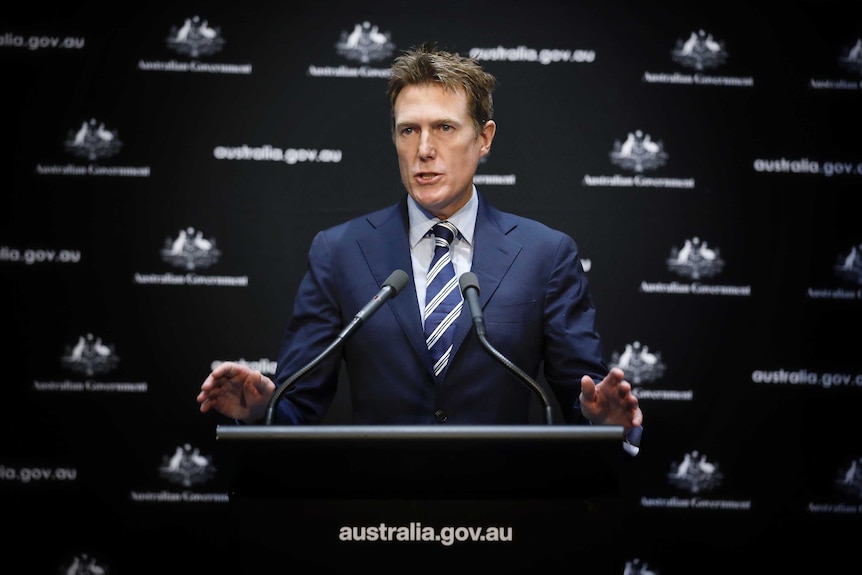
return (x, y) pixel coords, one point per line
(746, 357)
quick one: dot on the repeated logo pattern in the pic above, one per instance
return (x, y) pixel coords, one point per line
(93, 141)
(90, 356)
(196, 37)
(190, 250)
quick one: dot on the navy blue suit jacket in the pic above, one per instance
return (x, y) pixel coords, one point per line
(536, 305)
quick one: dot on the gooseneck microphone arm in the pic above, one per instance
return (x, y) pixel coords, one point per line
(391, 287)
(470, 290)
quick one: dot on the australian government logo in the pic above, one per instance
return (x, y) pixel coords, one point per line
(849, 60)
(846, 496)
(695, 475)
(637, 566)
(194, 40)
(366, 45)
(701, 52)
(848, 269)
(849, 265)
(190, 250)
(643, 368)
(187, 470)
(93, 141)
(695, 260)
(638, 153)
(92, 358)
(84, 564)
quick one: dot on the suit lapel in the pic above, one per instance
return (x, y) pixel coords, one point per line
(493, 254)
(387, 248)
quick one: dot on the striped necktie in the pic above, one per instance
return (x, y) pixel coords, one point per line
(443, 299)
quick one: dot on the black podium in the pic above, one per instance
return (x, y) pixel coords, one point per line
(424, 499)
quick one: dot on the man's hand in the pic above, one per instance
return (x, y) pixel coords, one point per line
(611, 402)
(236, 391)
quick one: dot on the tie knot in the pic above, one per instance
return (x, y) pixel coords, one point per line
(445, 231)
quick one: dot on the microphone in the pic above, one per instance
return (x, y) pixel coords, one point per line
(470, 290)
(391, 288)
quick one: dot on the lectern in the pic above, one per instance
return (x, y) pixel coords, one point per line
(424, 499)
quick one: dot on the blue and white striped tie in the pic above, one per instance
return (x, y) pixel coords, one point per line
(443, 299)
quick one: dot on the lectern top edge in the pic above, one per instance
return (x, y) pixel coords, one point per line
(509, 433)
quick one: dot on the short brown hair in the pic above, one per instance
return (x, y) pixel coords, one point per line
(425, 64)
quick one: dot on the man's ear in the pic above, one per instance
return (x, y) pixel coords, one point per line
(489, 129)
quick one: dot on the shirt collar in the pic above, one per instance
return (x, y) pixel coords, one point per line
(421, 221)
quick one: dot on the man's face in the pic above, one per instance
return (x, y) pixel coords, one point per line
(438, 149)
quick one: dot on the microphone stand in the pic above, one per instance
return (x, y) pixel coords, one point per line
(270, 408)
(546, 403)
(391, 288)
(470, 289)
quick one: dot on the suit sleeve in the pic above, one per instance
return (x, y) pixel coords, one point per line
(314, 324)
(572, 344)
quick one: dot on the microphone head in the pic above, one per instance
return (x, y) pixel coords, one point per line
(396, 280)
(468, 280)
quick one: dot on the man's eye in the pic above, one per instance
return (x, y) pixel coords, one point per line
(445, 127)
(407, 131)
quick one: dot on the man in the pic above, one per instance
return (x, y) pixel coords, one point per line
(534, 292)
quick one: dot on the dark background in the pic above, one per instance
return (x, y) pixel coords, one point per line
(778, 446)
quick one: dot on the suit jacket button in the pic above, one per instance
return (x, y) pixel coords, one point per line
(440, 416)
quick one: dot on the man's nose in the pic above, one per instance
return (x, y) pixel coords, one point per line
(426, 145)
